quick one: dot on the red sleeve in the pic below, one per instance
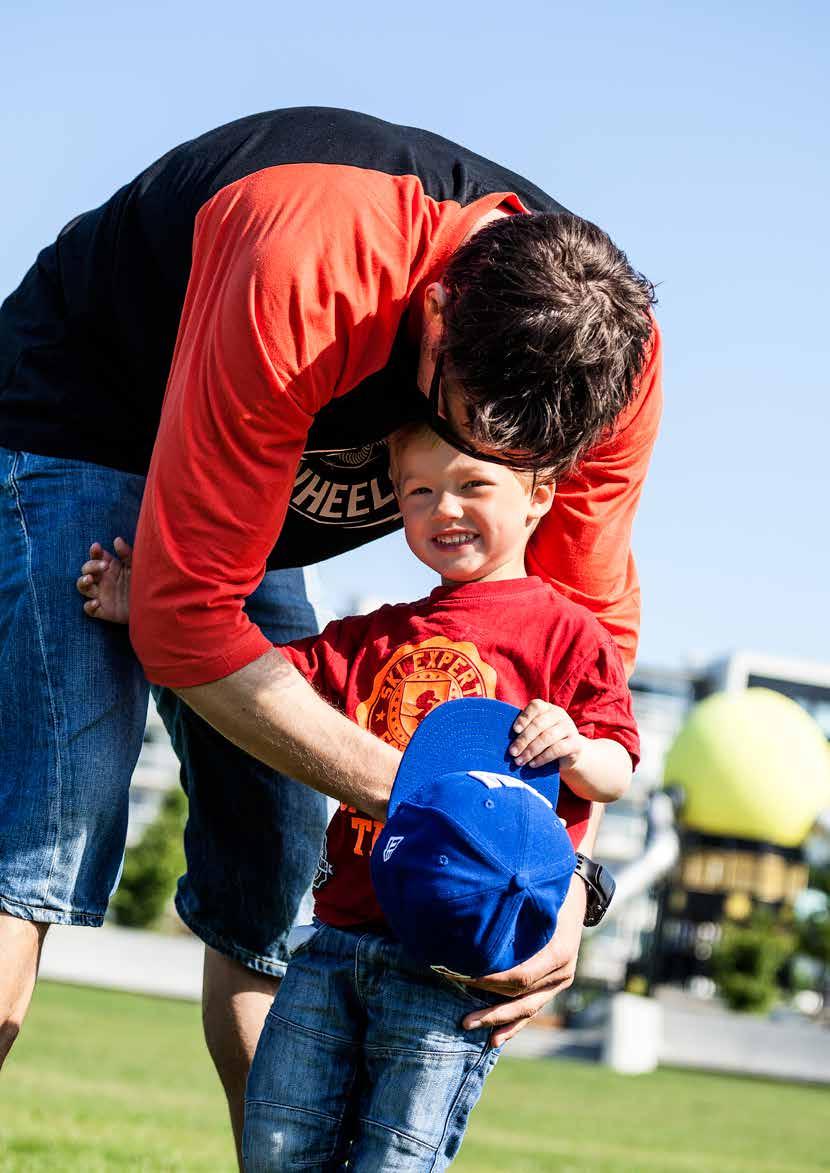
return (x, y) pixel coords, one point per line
(300, 275)
(325, 660)
(582, 546)
(600, 705)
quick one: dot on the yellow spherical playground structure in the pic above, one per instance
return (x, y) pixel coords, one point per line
(752, 765)
(753, 772)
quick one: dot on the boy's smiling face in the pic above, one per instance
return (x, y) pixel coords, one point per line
(469, 520)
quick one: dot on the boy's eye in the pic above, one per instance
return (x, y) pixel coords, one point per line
(475, 484)
(418, 491)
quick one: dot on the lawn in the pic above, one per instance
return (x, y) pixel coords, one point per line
(106, 1081)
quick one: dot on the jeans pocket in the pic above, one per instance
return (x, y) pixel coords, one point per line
(300, 938)
(479, 999)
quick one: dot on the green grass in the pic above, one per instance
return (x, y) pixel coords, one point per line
(105, 1081)
(566, 1117)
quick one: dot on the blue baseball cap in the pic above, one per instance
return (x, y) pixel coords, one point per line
(473, 863)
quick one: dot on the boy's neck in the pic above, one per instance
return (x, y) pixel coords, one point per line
(503, 574)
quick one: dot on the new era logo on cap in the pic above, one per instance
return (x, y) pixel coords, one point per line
(487, 861)
(391, 844)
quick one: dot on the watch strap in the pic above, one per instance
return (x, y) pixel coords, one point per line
(599, 887)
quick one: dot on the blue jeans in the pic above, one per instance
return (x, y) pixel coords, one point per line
(363, 1059)
(73, 702)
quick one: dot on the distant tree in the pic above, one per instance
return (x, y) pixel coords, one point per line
(152, 866)
(819, 878)
(814, 940)
(747, 960)
(814, 931)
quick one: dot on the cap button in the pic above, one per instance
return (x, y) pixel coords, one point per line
(520, 881)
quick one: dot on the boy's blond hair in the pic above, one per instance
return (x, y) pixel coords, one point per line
(399, 439)
(420, 429)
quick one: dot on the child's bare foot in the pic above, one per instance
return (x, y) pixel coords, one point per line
(105, 582)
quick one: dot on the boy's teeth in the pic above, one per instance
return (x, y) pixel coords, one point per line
(453, 539)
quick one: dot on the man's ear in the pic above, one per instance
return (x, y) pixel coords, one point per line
(435, 300)
(432, 330)
(541, 499)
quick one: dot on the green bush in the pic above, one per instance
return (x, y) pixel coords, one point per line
(152, 866)
(746, 962)
(814, 937)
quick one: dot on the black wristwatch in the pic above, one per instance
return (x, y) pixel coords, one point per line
(599, 884)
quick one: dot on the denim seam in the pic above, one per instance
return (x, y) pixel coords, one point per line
(249, 1102)
(308, 1030)
(379, 1049)
(398, 1132)
(50, 915)
(358, 991)
(290, 1108)
(344, 1119)
(42, 644)
(467, 995)
(340, 1120)
(482, 1059)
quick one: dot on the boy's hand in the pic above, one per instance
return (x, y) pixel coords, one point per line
(105, 582)
(546, 733)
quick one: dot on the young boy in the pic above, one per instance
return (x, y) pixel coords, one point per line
(362, 1057)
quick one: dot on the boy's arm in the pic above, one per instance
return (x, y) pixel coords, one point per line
(602, 771)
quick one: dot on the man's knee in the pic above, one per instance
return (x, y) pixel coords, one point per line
(9, 1030)
(20, 945)
(235, 1001)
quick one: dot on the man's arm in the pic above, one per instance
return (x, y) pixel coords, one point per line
(270, 711)
(266, 338)
(299, 279)
(583, 545)
(249, 706)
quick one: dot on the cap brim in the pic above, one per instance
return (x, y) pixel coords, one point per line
(473, 733)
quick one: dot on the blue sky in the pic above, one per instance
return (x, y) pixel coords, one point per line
(697, 136)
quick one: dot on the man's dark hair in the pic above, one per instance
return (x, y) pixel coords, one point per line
(546, 330)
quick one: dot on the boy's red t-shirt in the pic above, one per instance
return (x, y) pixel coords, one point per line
(514, 641)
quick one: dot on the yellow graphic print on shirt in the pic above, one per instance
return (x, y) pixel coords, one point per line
(406, 687)
(416, 679)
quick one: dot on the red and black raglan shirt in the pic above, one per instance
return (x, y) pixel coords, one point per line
(515, 641)
(247, 310)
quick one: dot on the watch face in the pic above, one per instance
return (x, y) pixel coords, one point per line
(605, 883)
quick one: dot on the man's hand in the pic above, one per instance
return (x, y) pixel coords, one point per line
(105, 582)
(531, 986)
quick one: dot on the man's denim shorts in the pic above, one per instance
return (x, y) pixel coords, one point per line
(363, 1058)
(73, 702)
